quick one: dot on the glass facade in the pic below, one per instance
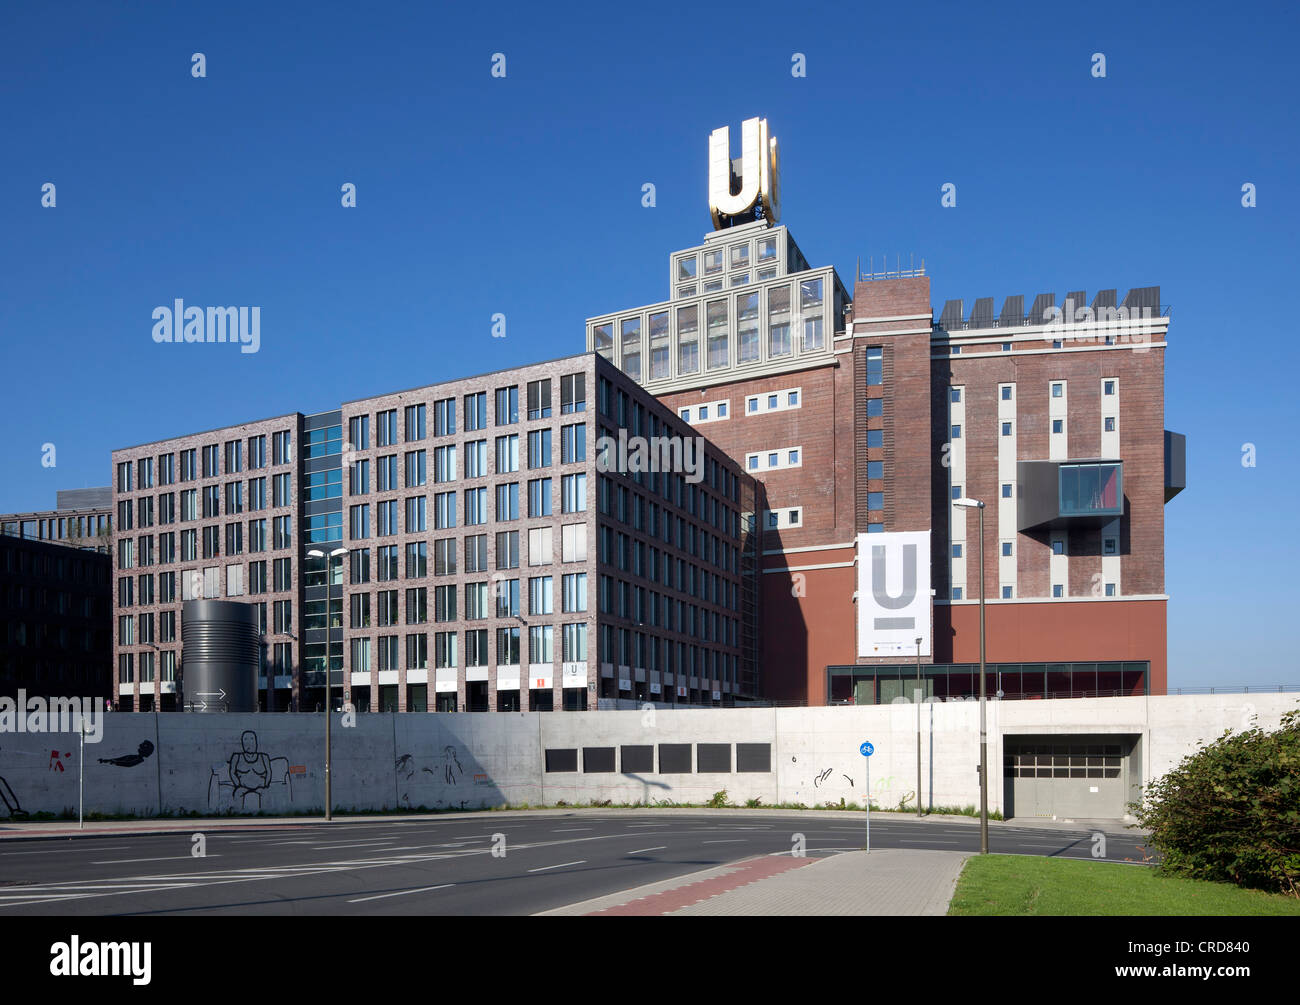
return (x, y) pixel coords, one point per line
(880, 685)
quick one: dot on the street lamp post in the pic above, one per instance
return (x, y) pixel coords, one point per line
(984, 765)
(329, 592)
(917, 695)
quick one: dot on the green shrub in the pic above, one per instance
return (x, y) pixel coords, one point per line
(719, 800)
(1231, 811)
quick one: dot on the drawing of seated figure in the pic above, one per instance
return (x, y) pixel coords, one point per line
(250, 773)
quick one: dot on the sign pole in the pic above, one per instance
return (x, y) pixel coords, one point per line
(866, 750)
(81, 779)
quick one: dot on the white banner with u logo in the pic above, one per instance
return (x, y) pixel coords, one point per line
(894, 593)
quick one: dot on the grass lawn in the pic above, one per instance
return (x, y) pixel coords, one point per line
(1025, 885)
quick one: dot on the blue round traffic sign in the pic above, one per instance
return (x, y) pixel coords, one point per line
(867, 749)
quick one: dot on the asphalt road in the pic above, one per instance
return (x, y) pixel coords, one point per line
(424, 866)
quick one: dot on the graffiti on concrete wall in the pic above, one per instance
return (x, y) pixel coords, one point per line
(249, 777)
(11, 804)
(445, 768)
(130, 760)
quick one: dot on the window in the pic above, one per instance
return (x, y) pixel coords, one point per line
(778, 321)
(747, 339)
(507, 594)
(956, 432)
(956, 593)
(476, 411)
(387, 559)
(1108, 387)
(875, 366)
(444, 417)
(1110, 589)
(573, 393)
(573, 443)
(1058, 390)
(1058, 590)
(1058, 425)
(444, 510)
(540, 600)
(508, 501)
(875, 437)
(1109, 424)
(475, 507)
(444, 555)
(956, 491)
(1006, 549)
(415, 468)
(417, 560)
(541, 549)
(539, 399)
(386, 514)
(573, 543)
(811, 310)
(476, 601)
(1006, 346)
(688, 359)
(507, 549)
(956, 550)
(539, 448)
(385, 473)
(1058, 547)
(358, 434)
(1109, 546)
(718, 338)
(444, 464)
(956, 350)
(875, 470)
(1006, 393)
(575, 592)
(875, 407)
(416, 516)
(955, 395)
(386, 428)
(475, 458)
(507, 454)
(875, 500)
(1006, 593)
(475, 554)
(539, 496)
(1006, 429)
(507, 406)
(574, 493)
(630, 330)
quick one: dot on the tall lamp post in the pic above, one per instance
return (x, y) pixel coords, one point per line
(918, 727)
(965, 503)
(329, 592)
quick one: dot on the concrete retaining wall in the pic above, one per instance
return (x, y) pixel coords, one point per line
(148, 764)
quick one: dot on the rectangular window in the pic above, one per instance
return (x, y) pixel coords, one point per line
(386, 428)
(573, 443)
(747, 338)
(574, 543)
(444, 510)
(476, 411)
(541, 548)
(475, 553)
(476, 459)
(507, 549)
(539, 399)
(539, 448)
(444, 556)
(507, 406)
(688, 352)
(811, 310)
(539, 496)
(444, 417)
(719, 343)
(508, 501)
(415, 468)
(573, 393)
(507, 454)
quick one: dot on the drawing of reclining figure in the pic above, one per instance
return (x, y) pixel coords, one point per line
(249, 773)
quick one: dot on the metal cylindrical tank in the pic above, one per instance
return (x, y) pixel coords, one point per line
(220, 656)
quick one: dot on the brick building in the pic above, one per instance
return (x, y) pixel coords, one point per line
(476, 544)
(869, 416)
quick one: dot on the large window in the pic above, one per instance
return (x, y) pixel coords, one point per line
(630, 333)
(507, 406)
(811, 310)
(539, 399)
(719, 348)
(688, 333)
(747, 338)
(1091, 489)
(573, 393)
(778, 321)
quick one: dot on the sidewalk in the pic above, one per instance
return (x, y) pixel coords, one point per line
(887, 882)
(11, 829)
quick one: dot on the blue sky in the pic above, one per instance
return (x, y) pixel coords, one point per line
(522, 196)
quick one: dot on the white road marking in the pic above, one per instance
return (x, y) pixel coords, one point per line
(569, 830)
(66, 851)
(659, 847)
(400, 893)
(726, 841)
(562, 865)
(164, 858)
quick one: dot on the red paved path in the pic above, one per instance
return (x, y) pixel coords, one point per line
(746, 872)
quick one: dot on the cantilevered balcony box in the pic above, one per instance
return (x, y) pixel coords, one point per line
(1073, 493)
(1175, 464)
